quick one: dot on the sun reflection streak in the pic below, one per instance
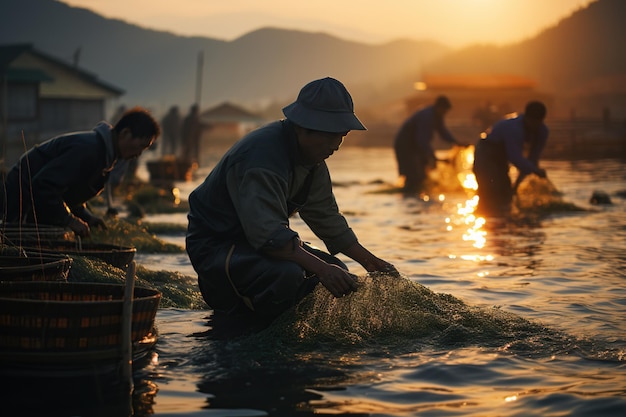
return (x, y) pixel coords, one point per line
(176, 194)
(465, 167)
(465, 216)
(468, 181)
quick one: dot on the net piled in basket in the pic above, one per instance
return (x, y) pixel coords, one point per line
(34, 267)
(71, 318)
(118, 256)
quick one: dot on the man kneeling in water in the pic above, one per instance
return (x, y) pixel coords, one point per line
(250, 263)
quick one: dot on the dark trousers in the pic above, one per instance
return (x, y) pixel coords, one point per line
(491, 168)
(413, 165)
(240, 281)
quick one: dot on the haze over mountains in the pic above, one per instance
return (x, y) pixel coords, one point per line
(158, 69)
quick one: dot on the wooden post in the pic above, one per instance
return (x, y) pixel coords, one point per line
(127, 326)
(4, 141)
(199, 70)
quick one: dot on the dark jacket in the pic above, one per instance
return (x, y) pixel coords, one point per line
(256, 187)
(58, 177)
(414, 138)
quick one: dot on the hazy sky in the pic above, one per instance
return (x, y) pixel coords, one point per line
(452, 22)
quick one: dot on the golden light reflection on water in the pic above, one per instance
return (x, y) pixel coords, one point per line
(464, 166)
(176, 194)
(465, 215)
(468, 181)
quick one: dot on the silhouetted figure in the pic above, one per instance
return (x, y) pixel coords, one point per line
(51, 183)
(413, 143)
(505, 144)
(171, 125)
(191, 135)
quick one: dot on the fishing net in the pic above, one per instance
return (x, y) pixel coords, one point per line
(395, 311)
(136, 234)
(178, 290)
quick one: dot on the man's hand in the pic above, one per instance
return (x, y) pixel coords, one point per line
(541, 173)
(337, 280)
(369, 261)
(79, 227)
(388, 268)
(97, 222)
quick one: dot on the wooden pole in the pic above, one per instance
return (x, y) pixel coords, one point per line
(199, 70)
(127, 326)
(4, 141)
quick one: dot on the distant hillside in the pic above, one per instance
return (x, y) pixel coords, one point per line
(268, 66)
(158, 69)
(587, 45)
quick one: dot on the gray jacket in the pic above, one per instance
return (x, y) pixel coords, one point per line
(256, 187)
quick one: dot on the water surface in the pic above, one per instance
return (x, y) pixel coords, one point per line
(510, 317)
(491, 317)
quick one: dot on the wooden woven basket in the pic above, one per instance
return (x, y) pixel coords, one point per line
(34, 267)
(118, 256)
(15, 233)
(43, 320)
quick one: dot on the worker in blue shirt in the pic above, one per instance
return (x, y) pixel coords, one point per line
(504, 144)
(413, 147)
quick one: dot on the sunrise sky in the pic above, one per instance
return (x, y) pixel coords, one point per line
(455, 23)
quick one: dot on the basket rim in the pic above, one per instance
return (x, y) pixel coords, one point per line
(63, 246)
(155, 294)
(41, 263)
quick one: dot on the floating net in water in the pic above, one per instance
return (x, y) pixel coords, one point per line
(395, 311)
(540, 195)
(389, 316)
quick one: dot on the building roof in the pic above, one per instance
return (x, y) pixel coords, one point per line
(8, 53)
(229, 113)
(476, 82)
(27, 75)
(14, 71)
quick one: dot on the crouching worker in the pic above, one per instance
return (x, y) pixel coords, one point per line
(250, 263)
(51, 183)
(502, 145)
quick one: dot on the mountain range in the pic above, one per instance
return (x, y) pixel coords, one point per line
(268, 66)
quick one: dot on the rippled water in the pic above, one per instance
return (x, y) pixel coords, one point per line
(507, 318)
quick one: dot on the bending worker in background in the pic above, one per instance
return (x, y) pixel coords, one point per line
(251, 264)
(413, 143)
(505, 144)
(51, 183)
